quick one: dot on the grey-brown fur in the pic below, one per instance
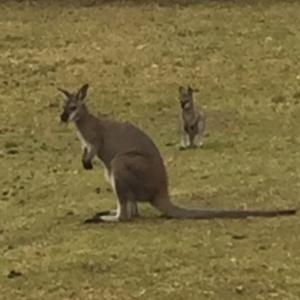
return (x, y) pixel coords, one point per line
(133, 166)
(193, 120)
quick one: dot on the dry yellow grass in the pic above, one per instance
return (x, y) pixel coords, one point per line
(244, 61)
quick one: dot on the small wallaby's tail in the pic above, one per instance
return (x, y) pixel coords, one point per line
(171, 210)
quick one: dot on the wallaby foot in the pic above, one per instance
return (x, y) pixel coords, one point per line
(93, 220)
(199, 145)
(96, 218)
(112, 215)
(198, 141)
(113, 212)
(109, 218)
(184, 142)
(123, 213)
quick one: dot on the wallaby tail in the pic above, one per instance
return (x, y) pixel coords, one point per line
(173, 211)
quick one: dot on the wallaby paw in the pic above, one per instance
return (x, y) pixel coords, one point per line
(181, 148)
(87, 165)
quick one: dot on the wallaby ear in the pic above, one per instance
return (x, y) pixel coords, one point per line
(181, 89)
(81, 94)
(67, 94)
(190, 91)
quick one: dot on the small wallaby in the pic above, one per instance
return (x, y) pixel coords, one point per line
(134, 166)
(193, 120)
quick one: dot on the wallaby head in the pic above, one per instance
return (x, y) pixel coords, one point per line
(74, 107)
(186, 98)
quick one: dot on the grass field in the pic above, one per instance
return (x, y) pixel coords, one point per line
(243, 62)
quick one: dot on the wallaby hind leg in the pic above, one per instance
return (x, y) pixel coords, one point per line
(127, 208)
(200, 133)
(199, 140)
(184, 141)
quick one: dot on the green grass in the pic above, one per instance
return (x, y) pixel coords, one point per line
(243, 60)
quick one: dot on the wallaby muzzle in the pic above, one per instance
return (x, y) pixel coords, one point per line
(64, 117)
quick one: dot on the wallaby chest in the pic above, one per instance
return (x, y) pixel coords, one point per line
(83, 140)
(189, 120)
(86, 144)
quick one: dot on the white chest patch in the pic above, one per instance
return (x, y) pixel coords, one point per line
(189, 118)
(84, 143)
(88, 146)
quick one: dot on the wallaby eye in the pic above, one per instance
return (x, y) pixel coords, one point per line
(72, 108)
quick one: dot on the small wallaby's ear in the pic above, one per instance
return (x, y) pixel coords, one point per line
(181, 89)
(67, 94)
(190, 91)
(81, 94)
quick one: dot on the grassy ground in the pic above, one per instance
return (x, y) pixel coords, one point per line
(242, 60)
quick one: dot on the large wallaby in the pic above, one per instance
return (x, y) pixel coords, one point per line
(134, 166)
(192, 120)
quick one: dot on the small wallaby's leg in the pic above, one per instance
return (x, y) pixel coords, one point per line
(199, 140)
(87, 156)
(191, 139)
(185, 140)
(199, 136)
